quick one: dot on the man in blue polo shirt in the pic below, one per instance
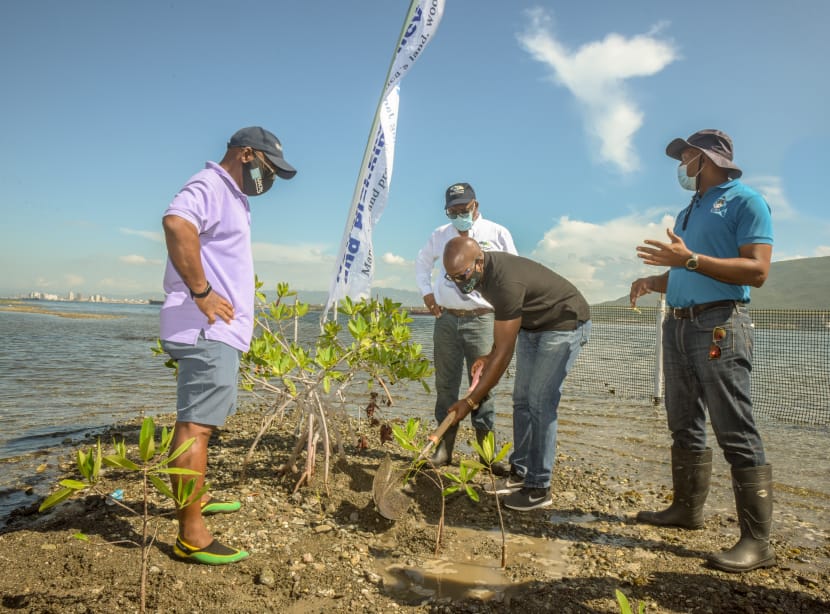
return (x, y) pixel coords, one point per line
(208, 315)
(720, 246)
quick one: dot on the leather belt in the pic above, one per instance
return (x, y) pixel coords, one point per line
(467, 313)
(695, 310)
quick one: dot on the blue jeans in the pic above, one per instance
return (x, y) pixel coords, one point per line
(454, 341)
(695, 384)
(543, 359)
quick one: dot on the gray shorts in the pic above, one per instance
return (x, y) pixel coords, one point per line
(208, 380)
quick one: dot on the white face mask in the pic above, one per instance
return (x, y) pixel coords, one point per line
(686, 182)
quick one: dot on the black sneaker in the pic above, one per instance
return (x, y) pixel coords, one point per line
(528, 499)
(505, 486)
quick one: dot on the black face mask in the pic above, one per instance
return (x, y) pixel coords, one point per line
(256, 179)
(470, 283)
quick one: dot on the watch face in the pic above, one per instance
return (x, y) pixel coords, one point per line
(691, 263)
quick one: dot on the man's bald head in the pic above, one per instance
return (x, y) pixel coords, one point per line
(460, 253)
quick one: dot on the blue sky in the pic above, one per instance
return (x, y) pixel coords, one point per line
(558, 113)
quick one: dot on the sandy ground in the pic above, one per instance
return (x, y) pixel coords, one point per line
(325, 548)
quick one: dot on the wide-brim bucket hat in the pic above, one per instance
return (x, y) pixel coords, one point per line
(716, 145)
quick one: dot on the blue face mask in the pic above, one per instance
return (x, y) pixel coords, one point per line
(463, 222)
(686, 182)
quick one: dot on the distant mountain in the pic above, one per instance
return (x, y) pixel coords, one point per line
(792, 284)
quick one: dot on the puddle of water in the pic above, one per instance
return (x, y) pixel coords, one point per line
(571, 518)
(460, 573)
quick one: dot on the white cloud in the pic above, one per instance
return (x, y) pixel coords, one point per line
(822, 250)
(394, 259)
(596, 75)
(772, 189)
(138, 260)
(73, 280)
(291, 254)
(601, 259)
(150, 235)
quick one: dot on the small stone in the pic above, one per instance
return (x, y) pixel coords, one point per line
(308, 558)
(373, 578)
(266, 578)
(323, 528)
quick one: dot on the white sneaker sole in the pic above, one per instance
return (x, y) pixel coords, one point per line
(503, 491)
(531, 506)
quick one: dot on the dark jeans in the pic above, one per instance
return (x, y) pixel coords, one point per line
(695, 384)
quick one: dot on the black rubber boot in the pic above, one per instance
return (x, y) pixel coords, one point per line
(443, 451)
(753, 501)
(500, 469)
(691, 471)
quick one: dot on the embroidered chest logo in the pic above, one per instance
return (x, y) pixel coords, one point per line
(719, 207)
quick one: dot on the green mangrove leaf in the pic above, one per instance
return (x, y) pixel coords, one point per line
(180, 450)
(162, 486)
(55, 498)
(114, 460)
(146, 440)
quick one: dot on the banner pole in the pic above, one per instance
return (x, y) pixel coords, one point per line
(658, 351)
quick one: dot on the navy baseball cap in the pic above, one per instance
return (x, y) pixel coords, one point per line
(266, 142)
(459, 194)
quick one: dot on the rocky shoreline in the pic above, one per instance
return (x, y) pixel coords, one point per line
(326, 549)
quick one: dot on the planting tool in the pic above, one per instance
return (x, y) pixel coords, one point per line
(390, 501)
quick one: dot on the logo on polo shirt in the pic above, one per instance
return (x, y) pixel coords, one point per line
(719, 207)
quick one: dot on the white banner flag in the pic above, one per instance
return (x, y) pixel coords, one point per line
(354, 267)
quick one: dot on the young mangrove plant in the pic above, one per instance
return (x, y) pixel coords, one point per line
(488, 455)
(410, 439)
(625, 605)
(307, 382)
(152, 464)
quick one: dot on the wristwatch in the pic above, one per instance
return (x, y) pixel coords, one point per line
(201, 294)
(692, 263)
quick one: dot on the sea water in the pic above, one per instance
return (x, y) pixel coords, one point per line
(62, 380)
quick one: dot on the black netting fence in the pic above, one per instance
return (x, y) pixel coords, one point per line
(791, 361)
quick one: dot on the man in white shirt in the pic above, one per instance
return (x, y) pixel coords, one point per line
(463, 322)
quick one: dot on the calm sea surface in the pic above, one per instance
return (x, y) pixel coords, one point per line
(63, 379)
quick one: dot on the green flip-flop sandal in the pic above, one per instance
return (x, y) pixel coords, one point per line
(212, 554)
(220, 507)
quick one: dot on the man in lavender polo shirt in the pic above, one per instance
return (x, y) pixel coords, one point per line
(208, 314)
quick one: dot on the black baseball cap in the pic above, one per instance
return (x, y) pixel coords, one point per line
(266, 142)
(459, 194)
